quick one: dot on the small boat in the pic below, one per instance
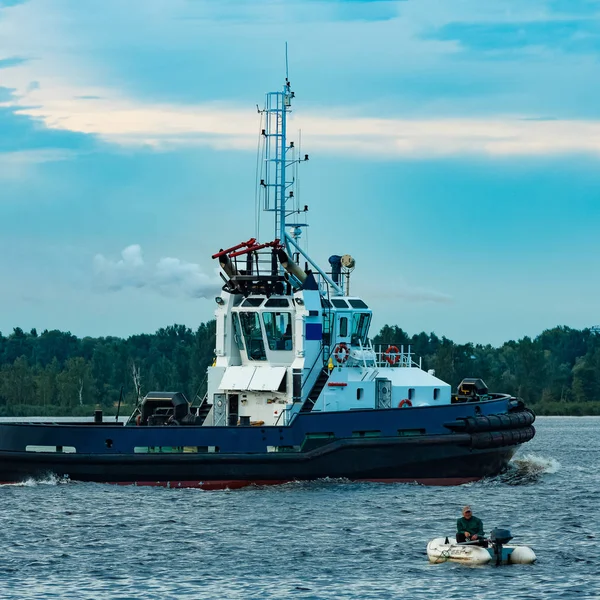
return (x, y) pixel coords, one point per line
(471, 553)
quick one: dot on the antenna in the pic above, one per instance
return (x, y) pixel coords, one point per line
(287, 75)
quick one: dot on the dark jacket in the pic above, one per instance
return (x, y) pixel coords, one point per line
(472, 525)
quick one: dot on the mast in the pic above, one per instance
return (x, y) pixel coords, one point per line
(277, 185)
(279, 156)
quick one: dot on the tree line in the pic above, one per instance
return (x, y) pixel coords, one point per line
(56, 373)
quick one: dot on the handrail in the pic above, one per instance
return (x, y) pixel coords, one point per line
(285, 410)
(321, 352)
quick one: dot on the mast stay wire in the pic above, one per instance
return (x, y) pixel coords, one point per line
(257, 199)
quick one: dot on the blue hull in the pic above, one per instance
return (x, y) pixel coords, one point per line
(410, 444)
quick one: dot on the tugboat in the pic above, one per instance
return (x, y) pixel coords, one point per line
(297, 390)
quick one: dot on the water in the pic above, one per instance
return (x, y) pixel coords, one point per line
(329, 539)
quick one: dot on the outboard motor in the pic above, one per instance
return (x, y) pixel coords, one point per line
(499, 537)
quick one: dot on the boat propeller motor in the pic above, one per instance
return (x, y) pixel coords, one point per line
(499, 537)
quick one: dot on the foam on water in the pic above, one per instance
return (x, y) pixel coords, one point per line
(526, 470)
(49, 479)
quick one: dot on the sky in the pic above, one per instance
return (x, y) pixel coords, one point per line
(454, 152)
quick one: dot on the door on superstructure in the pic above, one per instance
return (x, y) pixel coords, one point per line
(233, 404)
(383, 393)
(342, 329)
(219, 410)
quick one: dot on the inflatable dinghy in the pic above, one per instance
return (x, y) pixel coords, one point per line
(471, 553)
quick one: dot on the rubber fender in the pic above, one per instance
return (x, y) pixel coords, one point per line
(496, 439)
(492, 422)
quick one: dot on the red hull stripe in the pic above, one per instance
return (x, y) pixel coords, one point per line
(232, 484)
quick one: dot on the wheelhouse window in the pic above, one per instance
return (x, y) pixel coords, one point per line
(360, 328)
(343, 327)
(339, 303)
(357, 303)
(237, 332)
(255, 346)
(278, 327)
(277, 303)
(253, 301)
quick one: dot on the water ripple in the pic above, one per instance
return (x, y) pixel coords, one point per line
(329, 539)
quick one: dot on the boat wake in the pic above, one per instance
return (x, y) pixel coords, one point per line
(527, 469)
(47, 480)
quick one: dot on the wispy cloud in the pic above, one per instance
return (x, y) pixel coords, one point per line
(581, 35)
(12, 61)
(162, 126)
(170, 276)
(17, 164)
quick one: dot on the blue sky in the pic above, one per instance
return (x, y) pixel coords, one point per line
(454, 152)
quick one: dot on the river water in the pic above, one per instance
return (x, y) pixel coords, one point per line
(327, 539)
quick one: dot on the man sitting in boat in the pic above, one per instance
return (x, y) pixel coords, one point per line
(470, 528)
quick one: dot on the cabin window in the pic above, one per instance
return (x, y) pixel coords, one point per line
(410, 432)
(277, 303)
(357, 303)
(237, 332)
(372, 433)
(360, 328)
(255, 346)
(344, 327)
(436, 393)
(411, 393)
(278, 327)
(254, 302)
(339, 303)
(64, 449)
(325, 303)
(359, 393)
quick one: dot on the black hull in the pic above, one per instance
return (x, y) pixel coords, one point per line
(438, 460)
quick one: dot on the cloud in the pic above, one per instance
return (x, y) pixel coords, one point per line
(91, 92)
(164, 127)
(6, 95)
(8, 3)
(16, 165)
(170, 276)
(12, 61)
(568, 35)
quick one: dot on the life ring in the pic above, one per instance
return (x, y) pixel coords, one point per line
(405, 402)
(341, 353)
(138, 420)
(392, 355)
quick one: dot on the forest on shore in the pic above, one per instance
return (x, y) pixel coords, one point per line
(55, 373)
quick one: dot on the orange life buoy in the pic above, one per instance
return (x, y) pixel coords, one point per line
(138, 420)
(341, 353)
(392, 355)
(405, 402)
